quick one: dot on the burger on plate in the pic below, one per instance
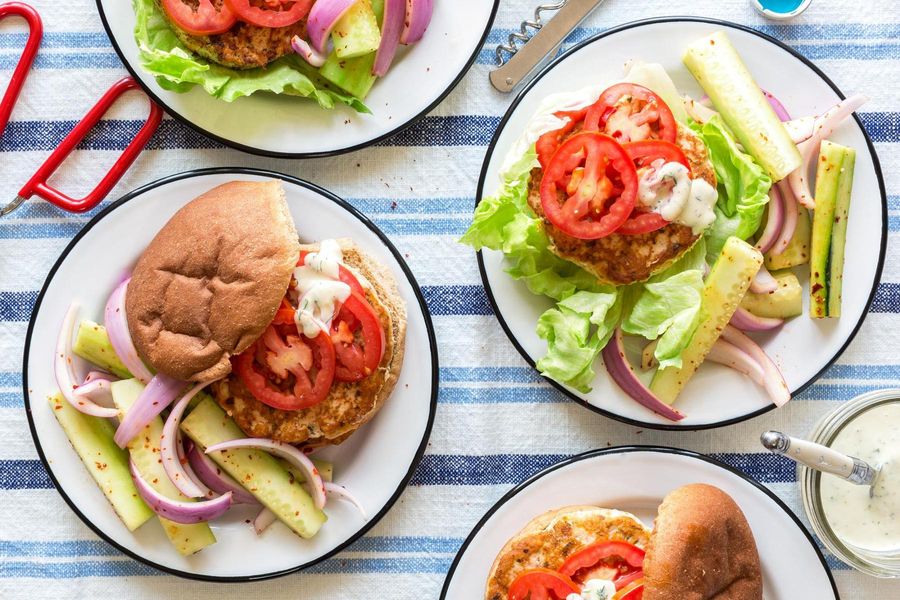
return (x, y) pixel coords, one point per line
(700, 548)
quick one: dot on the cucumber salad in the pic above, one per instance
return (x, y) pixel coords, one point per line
(331, 51)
(672, 225)
(186, 471)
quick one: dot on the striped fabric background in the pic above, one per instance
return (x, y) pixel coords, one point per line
(492, 423)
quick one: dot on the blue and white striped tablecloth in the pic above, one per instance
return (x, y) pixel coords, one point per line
(491, 430)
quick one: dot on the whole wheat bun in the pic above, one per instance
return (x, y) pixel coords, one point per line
(211, 280)
(549, 539)
(702, 548)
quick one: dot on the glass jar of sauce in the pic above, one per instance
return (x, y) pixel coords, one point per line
(860, 528)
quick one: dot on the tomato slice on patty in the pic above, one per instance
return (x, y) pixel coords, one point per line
(542, 584)
(358, 340)
(205, 20)
(615, 561)
(270, 13)
(344, 275)
(286, 370)
(590, 186)
(630, 113)
(547, 145)
(644, 154)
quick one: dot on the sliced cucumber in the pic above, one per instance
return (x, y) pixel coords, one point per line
(144, 449)
(92, 344)
(92, 438)
(353, 75)
(723, 291)
(357, 32)
(839, 234)
(259, 472)
(326, 469)
(718, 68)
(784, 303)
(828, 176)
(797, 251)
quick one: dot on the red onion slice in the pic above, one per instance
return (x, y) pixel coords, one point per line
(219, 481)
(780, 111)
(744, 320)
(97, 391)
(621, 372)
(293, 455)
(731, 356)
(344, 494)
(178, 510)
(302, 47)
(65, 372)
(171, 441)
(800, 129)
(159, 393)
(119, 336)
(763, 282)
(824, 127)
(262, 521)
(322, 18)
(773, 381)
(790, 219)
(418, 16)
(92, 375)
(774, 223)
(391, 27)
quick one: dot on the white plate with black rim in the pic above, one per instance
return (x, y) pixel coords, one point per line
(636, 479)
(376, 462)
(288, 127)
(803, 348)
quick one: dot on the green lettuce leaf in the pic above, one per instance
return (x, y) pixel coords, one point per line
(667, 307)
(178, 69)
(586, 312)
(743, 186)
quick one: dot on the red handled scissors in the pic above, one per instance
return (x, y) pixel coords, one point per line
(37, 185)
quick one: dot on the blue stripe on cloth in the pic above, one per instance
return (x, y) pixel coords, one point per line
(10, 378)
(435, 131)
(73, 548)
(436, 469)
(442, 300)
(544, 394)
(505, 469)
(89, 60)
(58, 39)
(130, 568)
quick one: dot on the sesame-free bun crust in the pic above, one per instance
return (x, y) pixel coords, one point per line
(349, 405)
(549, 539)
(211, 280)
(702, 548)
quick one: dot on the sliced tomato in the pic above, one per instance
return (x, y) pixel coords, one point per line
(647, 152)
(358, 340)
(205, 20)
(542, 584)
(270, 13)
(288, 371)
(644, 154)
(629, 113)
(590, 186)
(616, 559)
(344, 275)
(547, 145)
(285, 313)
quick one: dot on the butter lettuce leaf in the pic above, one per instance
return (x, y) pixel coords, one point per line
(178, 69)
(743, 186)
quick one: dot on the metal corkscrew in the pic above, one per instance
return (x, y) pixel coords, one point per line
(536, 40)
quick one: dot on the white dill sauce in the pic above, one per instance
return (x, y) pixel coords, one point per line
(869, 523)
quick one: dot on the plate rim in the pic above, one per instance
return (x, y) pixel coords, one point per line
(133, 72)
(429, 328)
(628, 449)
(479, 195)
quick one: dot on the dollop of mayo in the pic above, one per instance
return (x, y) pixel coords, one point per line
(595, 589)
(870, 522)
(669, 190)
(318, 289)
